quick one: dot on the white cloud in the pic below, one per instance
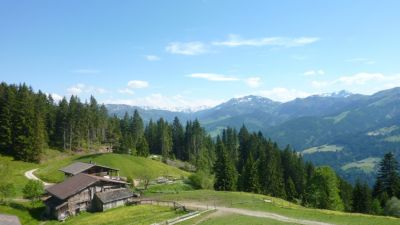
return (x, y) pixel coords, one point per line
(126, 91)
(364, 83)
(319, 84)
(86, 71)
(84, 89)
(213, 77)
(283, 94)
(137, 84)
(186, 48)
(362, 78)
(56, 97)
(361, 60)
(152, 57)
(253, 82)
(174, 103)
(314, 72)
(235, 41)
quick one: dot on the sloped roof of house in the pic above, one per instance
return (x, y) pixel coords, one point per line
(79, 167)
(76, 184)
(9, 220)
(115, 195)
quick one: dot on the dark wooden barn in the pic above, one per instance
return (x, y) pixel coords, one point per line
(76, 194)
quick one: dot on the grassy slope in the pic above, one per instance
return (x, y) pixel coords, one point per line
(228, 219)
(256, 202)
(17, 170)
(27, 214)
(143, 214)
(135, 167)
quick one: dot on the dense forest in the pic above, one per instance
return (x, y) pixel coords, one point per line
(235, 161)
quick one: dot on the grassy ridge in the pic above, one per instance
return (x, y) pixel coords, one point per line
(143, 214)
(279, 206)
(132, 166)
(17, 170)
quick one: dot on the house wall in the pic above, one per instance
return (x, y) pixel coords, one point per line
(114, 204)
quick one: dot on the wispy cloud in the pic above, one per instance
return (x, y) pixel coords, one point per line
(314, 72)
(186, 48)
(361, 60)
(86, 71)
(137, 84)
(126, 91)
(253, 82)
(283, 94)
(152, 58)
(365, 83)
(236, 41)
(80, 88)
(213, 77)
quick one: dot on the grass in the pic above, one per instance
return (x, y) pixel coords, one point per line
(27, 214)
(142, 214)
(367, 165)
(132, 166)
(16, 172)
(228, 219)
(169, 188)
(323, 148)
(279, 206)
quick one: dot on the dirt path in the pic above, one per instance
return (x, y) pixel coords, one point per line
(29, 174)
(260, 214)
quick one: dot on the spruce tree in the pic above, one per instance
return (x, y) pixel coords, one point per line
(388, 180)
(361, 198)
(225, 172)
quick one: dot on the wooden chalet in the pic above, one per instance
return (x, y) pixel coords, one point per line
(86, 192)
(90, 168)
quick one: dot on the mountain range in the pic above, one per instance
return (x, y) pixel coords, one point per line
(349, 132)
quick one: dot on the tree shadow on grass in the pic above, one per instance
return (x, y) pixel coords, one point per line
(35, 211)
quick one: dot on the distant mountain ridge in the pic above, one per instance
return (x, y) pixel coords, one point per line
(340, 119)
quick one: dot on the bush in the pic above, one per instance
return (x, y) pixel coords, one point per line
(392, 207)
(33, 190)
(7, 190)
(201, 180)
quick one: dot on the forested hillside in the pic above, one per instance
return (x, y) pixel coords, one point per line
(243, 161)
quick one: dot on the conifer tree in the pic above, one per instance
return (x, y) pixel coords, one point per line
(388, 180)
(225, 173)
(361, 198)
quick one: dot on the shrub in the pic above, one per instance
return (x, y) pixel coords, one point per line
(33, 190)
(392, 207)
(201, 180)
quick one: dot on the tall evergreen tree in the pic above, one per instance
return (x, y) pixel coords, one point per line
(225, 172)
(361, 198)
(388, 180)
(178, 139)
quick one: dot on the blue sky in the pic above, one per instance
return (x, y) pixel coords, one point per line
(188, 54)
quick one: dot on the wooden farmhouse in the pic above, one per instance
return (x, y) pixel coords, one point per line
(90, 168)
(86, 190)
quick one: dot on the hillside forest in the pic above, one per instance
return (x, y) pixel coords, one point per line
(234, 161)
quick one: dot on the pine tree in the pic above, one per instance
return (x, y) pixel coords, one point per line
(270, 172)
(142, 147)
(225, 172)
(361, 198)
(137, 128)
(346, 194)
(6, 99)
(23, 122)
(388, 180)
(178, 139)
